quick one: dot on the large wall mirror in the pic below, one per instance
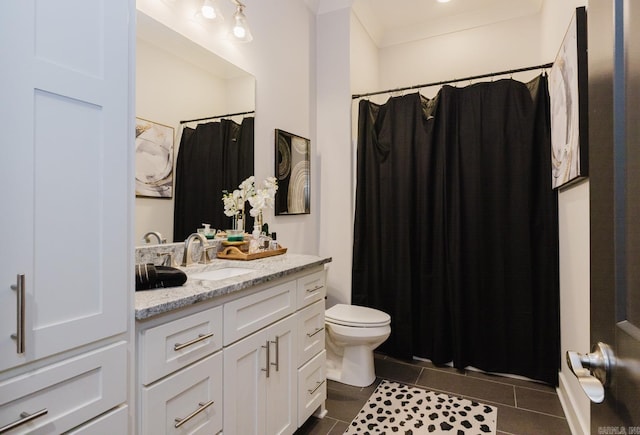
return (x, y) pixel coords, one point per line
(179, 80)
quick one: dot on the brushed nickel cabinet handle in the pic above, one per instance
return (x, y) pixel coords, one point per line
(277, 363)
(318, 287)
(19, 287)
(202, 407)
(201, 337)
(317, 331)
(25, 417)
(268, 358)
(318, 385)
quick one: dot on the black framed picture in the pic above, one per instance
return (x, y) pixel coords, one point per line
(293, 174)
(568, 89)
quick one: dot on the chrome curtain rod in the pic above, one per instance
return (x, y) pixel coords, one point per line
(218, 116)
(463, 79)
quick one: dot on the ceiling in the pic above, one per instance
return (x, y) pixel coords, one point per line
(401, 21)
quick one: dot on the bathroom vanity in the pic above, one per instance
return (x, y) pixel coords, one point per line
(241, 350)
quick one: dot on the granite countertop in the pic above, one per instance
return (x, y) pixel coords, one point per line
(149, 303)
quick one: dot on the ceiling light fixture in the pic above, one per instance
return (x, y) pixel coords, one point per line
(210, 10)
(443, 1)
(239, 28)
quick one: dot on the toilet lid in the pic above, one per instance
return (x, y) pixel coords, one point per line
(355, 315)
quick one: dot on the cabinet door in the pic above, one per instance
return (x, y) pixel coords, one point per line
(281, 400)
(65, 175)
(245, 368)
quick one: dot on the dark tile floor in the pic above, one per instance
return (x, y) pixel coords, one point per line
(523, 407)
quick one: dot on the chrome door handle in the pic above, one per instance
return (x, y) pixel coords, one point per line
(25, 417)
(317, 331)
(277, 363)
(318, 385)
(311, 290)
(201, 407)
(268, 358)
(20, 313)
(201, 337)
(593, 370)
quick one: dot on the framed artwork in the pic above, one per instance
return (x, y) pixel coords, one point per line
(568, 95)
(154, 159)
(292, 171)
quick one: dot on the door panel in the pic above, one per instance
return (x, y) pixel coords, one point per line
(65, 173)
(614, 137)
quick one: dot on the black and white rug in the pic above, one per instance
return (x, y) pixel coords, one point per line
(402, 409)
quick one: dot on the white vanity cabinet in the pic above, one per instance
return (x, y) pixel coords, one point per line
(249, 362)
(180, 375)
(266, 371)
(261, 381)
(65, 274)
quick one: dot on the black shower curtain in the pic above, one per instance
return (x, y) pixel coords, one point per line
(213, 157)
(455, 230)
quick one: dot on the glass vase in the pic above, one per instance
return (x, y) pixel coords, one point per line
(238, 221)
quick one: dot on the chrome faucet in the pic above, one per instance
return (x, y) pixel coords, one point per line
(187, 257)
(156, 234)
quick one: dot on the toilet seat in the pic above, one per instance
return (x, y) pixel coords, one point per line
(356, 316)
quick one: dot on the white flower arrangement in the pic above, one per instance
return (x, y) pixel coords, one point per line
(258, 198)
(264, 197)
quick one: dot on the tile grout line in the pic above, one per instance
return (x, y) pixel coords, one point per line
(515, 397)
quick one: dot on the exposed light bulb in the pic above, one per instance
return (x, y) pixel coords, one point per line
(208, 11)
(239, 32)
(240, 29)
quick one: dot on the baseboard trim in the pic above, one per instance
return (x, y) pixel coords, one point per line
(576, 422)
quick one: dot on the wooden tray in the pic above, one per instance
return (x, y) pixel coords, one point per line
(233, 253)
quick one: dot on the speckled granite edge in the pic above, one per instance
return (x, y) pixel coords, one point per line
(151, 303)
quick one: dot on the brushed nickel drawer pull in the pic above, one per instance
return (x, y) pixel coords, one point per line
(318, 330)
(268, 358)
(201, 337)
(318, 385)
(25, 417)
(202, 407)
(277, 363)
(19, 287)
(318, 287)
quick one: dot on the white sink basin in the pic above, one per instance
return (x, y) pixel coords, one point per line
(224, 273)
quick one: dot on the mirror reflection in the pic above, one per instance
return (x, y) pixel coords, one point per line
(176, 81)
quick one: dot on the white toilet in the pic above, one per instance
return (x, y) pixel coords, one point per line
(352, 334)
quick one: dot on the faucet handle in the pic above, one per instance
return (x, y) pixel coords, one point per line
(206, 257)
(167, 259)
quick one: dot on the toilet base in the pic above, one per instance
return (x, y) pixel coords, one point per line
(354, 367)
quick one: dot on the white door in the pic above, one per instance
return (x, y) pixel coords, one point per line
(64, 174)
(610, 373)
(282, 389)
(245, 369)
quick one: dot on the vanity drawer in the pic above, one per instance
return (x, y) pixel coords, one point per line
(113, 422)
(193, 396)
(311, 288)
(312, 386)
(310, 331)
(71, 391)
(171, 346)
(246, 315)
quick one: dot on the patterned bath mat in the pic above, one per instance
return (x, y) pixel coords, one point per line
(395, 408)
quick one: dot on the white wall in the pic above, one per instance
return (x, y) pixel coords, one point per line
(334, 126)
(282, 59)
(499, 47)
(573, 211)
